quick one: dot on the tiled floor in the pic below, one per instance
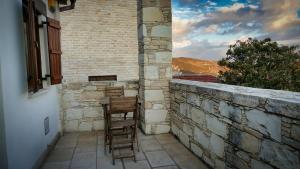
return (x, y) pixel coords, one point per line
(85, 151)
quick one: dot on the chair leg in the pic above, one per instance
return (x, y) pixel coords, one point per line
(113, 154)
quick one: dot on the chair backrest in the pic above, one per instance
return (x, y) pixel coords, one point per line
(123, 104)
(114, 91)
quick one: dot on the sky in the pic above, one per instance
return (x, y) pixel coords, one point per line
(204, 29)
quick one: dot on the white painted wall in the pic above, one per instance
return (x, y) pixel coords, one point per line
(23, 115)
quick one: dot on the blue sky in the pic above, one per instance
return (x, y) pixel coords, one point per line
(205, 28)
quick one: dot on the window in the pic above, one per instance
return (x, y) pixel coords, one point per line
(42, 46)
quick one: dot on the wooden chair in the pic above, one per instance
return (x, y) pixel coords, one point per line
(109, 92)
(122, 105)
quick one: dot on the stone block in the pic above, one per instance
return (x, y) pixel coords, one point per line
(231, 112)
(217, 145)
(255, 164)
(279, 155)
(169, 73)
(74, 114)
(154, 95)
(92, 112)
(209, 106)
(291, 109)
(216, 126)
(196, 149)
(152, 14)
(160, 128)
(267, 124)
(198, 115)
(98, 125)
(188, 129)
(161, 31)
(246, 100)
(158, 106)
(91, 95)
(193, 99)
(184, 138)
(154, 116)
(201, 138)
(151, 72)
(85, 126)
(295, 132)
(244, 140)
(183, 108)
(163, 57)
(71, 125)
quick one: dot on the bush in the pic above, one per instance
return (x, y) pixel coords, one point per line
(262, 64)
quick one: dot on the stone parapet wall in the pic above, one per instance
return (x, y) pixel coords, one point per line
(81, 109)
(237, 127)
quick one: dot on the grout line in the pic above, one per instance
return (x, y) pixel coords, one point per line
(97, 151)
(74, 151)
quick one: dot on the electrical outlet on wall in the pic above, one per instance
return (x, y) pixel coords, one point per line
(46, 125)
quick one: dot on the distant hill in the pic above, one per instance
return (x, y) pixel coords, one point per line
(196, 66)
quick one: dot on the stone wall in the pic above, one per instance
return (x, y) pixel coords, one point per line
(237, 127)
(81, 109)
(99, 37)
(155, 56)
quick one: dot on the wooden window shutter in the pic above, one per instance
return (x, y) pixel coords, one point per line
(54, 51)
(34, 82)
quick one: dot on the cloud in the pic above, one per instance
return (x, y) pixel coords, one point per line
(201, 50)
(205, 29)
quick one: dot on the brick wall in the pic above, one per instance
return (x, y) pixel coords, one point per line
(99, 37)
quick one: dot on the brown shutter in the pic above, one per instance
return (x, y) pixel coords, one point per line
(34, 83)
(54, 51)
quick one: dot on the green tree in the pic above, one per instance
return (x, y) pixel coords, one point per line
(262, 64)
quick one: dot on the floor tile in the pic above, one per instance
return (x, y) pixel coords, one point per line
(57, 165)
(189, 162)
(166, 138)
(176, 149)
(65, 142)
(159, 158)
(59, 155)
(86, 148)
(84, 160)
(137, 165)
(105, 162)
(139, 155)
(150, 145)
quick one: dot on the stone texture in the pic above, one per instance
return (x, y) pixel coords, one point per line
(216, 126)
(151, 72)
(267, 124)
(201, 138)
(259, 165)
(154, 95)
(161, 31)
(295, 132)
(231, 112)
(198, 115)
(152, 14)
(152, 116)
(163, 57)
(236, 127)
(278, 155)
(217, 145)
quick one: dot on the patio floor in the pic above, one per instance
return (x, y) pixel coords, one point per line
(85, 151)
